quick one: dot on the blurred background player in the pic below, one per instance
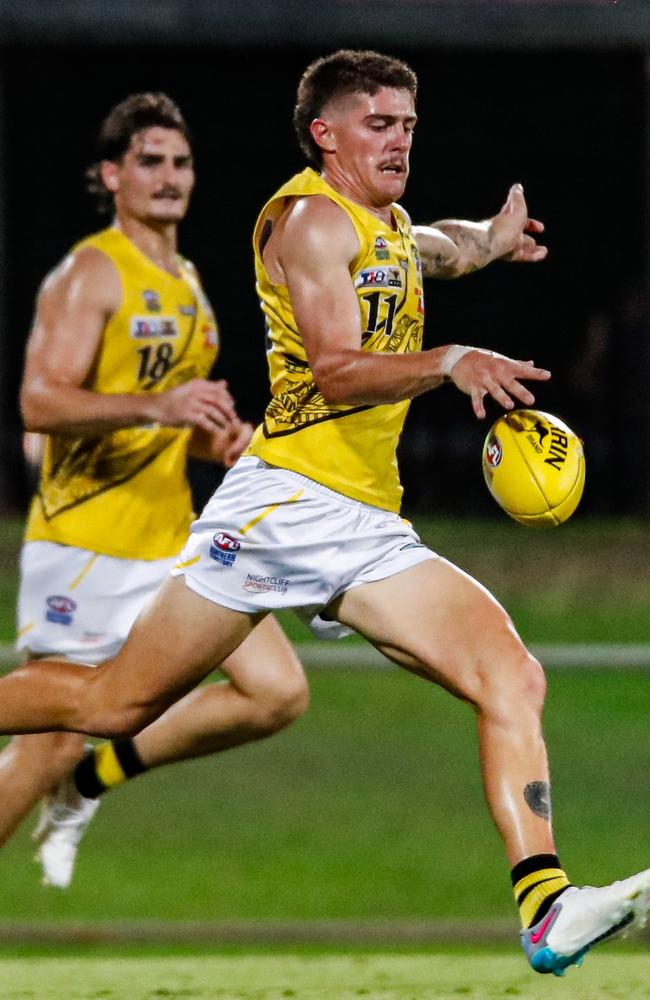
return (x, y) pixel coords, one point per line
(122, 344)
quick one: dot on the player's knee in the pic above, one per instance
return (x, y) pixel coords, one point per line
(283, 705)
(517, 690)
(534, 682)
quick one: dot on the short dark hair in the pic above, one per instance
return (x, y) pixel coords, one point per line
(347, 71)
(132, 115)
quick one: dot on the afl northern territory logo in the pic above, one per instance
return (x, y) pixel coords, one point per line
(60, 609)
(224, 548)
(493, 452)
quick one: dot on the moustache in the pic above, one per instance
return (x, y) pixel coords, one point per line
(168, 192)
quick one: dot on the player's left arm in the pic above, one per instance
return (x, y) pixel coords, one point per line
(453, 247)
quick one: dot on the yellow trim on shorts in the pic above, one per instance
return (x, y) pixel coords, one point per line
(25, 629)
(107, 766)
(269, 510)
(188, 562)
(84, 572)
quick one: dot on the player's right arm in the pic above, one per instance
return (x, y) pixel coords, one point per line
(74, 304)
(314, 247)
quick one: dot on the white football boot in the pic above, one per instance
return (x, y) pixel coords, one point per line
(582, 918)
(65, 815)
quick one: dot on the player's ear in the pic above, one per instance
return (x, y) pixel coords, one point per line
(323, 135)
(109, 175)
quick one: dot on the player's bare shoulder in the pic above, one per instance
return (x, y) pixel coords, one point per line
(86, 276)
(319, 228)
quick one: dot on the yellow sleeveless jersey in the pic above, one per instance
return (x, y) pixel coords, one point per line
(125, 493)
(350, 449)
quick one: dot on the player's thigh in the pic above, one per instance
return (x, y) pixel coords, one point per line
(177, 640)
(266, 661)
(439, 622)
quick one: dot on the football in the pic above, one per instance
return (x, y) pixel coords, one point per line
(534, 467)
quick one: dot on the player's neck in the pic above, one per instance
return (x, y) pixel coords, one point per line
(157, 242)
(356, 193)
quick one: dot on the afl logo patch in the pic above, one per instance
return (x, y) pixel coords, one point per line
(493, 452)
(60, 609)
(224, 548)
(151, 300)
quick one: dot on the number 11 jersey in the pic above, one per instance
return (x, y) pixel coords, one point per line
(350, 449)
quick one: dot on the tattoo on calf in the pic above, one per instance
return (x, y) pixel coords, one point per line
(538, 798)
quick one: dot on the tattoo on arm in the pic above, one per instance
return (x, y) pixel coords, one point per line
(538, 798)
(478, 244)
(435, 264)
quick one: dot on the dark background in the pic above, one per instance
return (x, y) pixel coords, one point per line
(569, 123)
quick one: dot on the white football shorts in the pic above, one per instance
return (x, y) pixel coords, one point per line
(79, 604)
(271, 539)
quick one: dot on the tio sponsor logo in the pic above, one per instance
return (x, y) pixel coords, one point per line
(60, 609)
(493, 452)
(224, 548)
(153, 327)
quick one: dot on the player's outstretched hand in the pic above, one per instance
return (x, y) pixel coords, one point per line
(480, 373)
(516, 231)
(198, 403)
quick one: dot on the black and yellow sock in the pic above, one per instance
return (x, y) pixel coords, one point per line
(537, 881)
(107, 765)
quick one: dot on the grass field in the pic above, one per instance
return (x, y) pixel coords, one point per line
(368, 810)
(370, 807)
(450, 975)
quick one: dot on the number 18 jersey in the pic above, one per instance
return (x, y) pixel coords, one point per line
(125, 493)
(350, 449)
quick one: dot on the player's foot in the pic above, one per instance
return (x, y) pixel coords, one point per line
(65, 814)
(581, 918)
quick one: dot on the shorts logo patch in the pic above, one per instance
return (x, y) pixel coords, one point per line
(60, 609)
(256, 584)
(224, 548)
(93, 638)
(412, 545)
